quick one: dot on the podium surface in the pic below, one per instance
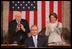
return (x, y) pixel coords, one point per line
(23, 46)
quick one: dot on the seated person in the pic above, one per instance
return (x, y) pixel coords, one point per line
(35, 40)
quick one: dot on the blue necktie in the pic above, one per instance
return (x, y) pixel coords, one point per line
(35, 41)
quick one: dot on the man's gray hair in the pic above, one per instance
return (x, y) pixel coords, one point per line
(34, 26)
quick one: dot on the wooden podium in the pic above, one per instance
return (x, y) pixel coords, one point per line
(11, 46)
(23, 46)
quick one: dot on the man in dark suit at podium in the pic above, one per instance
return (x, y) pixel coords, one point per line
(18, 28)
(35, 40)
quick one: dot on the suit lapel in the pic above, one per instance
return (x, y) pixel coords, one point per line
(15, 22)
(21, 21)
(39, 41)
(32, 41)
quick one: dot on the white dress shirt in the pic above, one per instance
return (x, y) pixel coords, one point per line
(34, 36)
(16, 21)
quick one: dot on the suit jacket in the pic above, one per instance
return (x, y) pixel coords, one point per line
(16, 35)
(41, 42)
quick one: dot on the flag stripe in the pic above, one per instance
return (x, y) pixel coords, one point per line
(23, 15)
(39, 15)
(47, 11)
(35, 17)
(14, 12)
(56, 8)
(10, 16)
(59, 11)
(51, 8)
(43, 14)
(27, 16)
(31, 18)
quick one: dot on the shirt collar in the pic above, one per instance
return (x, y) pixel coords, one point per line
(34, 36)
(16, 21)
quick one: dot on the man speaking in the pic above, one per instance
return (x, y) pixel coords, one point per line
(18, 28)
(35, 40)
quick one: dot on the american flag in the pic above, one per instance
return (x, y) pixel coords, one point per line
(36, 12)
